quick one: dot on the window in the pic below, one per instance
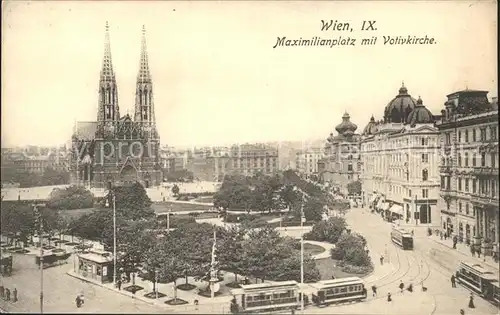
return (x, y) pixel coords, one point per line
(466, 159)
(425, 175)
(448, 183)
(425, 141)
(466, 185)
(466, 135)
(474, 185)
(425, 158)
(442, 182)
(474, 159)
(483, 159)
(473, 135)
(459, 184)
(483, 134)
(459, 158)
(467, 209)
(459, 136)
(409, 192)
(493, 132)
(447, 138)
(460, 207)
(493, 160)
(425, 193)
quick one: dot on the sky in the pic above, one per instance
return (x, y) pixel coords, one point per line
(217, 78)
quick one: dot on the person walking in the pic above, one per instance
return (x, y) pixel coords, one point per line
(14, 295)
(401, 286)
(374, 290)
(7, 294)
(382, 260)
(462, 312)
(453, 283)
(119, 284)
(389, 297)
(471, 301)
(455, 240)
(2, 291)
(479, 252)
(410, 288)
(472, 250)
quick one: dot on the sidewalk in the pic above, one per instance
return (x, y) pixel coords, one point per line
(205, 304)
(463, 249)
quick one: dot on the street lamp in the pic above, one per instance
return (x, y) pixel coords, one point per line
(302, 220)
(114, 233)
(38, 215)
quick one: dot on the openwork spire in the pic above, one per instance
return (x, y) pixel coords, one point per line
(107, 72)
(144, 75)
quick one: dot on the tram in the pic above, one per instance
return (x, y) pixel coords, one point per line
(480, 280)
(338, 290)
(402, 238)
(266, 297)
(51, 259)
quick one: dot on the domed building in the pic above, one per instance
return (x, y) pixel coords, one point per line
(398, 109)
(399, 157)
(340, 165)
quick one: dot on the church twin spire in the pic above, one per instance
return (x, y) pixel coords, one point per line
(108, 91)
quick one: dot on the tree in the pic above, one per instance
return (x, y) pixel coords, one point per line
(327, 231)
(72, 197)
(17, 220)
(354, 188)
(348, 242)
(231, 250)
(313, 209)
(132, 201)
(357, 256)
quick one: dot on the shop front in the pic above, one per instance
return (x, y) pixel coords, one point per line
(96, 266)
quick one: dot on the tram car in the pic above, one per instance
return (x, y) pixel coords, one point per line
(266, 297)
(402, 238)
(51, 259)
(338, 291)
(5, 264)
(478, 279)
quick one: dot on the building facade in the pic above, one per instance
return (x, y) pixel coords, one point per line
(468, 200)
(400, 158)
(340, 164)
(119, 150)
(306, 161)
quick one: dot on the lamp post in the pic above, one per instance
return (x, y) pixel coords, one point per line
(38, 215)
(302, 219)
(114, 234)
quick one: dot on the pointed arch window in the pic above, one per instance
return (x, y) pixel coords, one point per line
(425, 174)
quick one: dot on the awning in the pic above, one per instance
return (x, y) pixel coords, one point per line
(397, 209)
(385, 206)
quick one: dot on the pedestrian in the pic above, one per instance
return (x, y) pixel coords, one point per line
(14, 297)
(472, 250)
(462, 312)
(374, 290)
(381, 260)
(410, 288)
(7, 294)
(78, 301)
(479, 252)
(441, 235)
(119, 284)
(412, 232)
(389, 298)
(471, 301)
(2, 291)
(453, 284)
(401, 286)
(195, 302)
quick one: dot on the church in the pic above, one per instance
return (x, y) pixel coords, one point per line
(118, 150)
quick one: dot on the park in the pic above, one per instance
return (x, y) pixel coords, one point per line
(179, 256)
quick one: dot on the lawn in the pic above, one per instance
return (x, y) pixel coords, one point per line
(160, 207)
(313, 249)
(327, 268)
(205, 199)
(75, 213)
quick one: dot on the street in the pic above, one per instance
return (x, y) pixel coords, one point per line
(429, 263)
(60, 291)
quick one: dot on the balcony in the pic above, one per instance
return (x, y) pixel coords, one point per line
(484, 200)
(445, 169)
(446, 193)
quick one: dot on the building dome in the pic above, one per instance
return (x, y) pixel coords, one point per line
(420, 115)
(346, 125)
(371, 128)
(398, 109)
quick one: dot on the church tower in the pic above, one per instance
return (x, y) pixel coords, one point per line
(144, 102)
(108, 109)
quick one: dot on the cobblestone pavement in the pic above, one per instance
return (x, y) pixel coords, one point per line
(429, 264)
